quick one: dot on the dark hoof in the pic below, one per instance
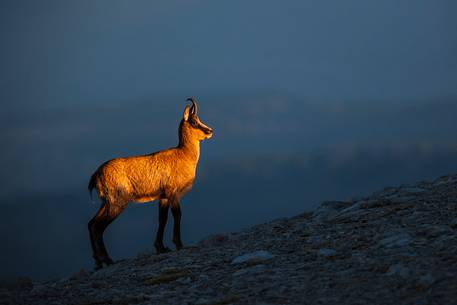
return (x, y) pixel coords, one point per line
(178, 243)
(98, 266)
(99, 263)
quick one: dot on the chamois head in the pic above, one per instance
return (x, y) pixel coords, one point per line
(192, 124)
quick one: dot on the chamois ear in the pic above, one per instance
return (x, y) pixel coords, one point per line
(186, 113)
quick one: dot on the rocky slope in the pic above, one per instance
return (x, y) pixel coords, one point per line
(397, 246)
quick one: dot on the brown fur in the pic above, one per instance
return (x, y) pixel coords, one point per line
(166, 175)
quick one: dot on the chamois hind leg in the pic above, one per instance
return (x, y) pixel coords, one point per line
(163, 216)
(97, 226)
(176, 211)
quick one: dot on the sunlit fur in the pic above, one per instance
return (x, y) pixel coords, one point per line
(166, 175)
(158, 175)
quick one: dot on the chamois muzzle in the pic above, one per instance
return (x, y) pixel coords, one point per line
(208, 130)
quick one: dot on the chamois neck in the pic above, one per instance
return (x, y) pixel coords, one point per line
(188, 143)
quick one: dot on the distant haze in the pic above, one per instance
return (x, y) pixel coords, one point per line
(309, 100)
(78, 53)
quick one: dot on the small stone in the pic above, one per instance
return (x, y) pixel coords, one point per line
(387, 191)
(453, 223)
(401, 199)
(427, 280)
(250, 270)
(414, 190)
(257, 256)
(203, 301)
(368, 204)
(399, 270)
(327, 252)
(353, 208)
(186, 280)
(329, 209)
(37, 288)
(397, 240)
(167, 276)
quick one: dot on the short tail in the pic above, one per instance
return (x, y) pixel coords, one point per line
(91, 185)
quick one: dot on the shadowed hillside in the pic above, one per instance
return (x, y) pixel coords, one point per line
(397, 245)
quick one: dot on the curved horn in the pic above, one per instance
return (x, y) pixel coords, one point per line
(194, 105)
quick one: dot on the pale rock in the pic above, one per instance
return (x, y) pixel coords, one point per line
(261, 255)
(327, 252)
(328, 210)
(399, 270)
(427, 280)
(397, 240)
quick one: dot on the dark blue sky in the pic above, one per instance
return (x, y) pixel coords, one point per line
(80, 52)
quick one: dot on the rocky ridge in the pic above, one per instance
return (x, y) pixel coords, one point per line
(398, 245)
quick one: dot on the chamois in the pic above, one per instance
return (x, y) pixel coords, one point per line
(165, 175)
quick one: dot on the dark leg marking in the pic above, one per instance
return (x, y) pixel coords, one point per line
(176, 211)
(97, 226)
(163, 216)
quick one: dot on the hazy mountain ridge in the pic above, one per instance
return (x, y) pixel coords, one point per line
(397, 245)
(73, 140)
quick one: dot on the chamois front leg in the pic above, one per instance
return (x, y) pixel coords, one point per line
(176, 211)
(163, 216)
